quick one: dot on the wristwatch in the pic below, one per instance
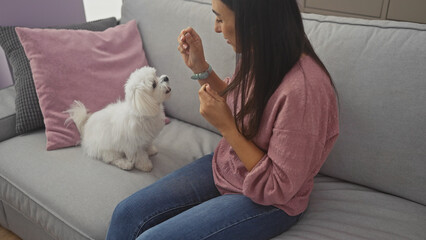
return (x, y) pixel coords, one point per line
(203, 75)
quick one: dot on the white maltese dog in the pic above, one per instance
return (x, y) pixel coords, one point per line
(122, 133)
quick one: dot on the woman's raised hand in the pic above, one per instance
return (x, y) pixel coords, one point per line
(191, 49)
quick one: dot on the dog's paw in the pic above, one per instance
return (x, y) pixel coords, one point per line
(123, 164)
(144, 165)
(152, 150)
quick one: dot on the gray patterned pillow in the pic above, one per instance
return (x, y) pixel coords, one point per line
(28, 112)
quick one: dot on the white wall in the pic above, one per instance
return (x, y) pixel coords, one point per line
(98, 9)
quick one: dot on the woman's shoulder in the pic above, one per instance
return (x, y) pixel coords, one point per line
(305, 96)
(306, 76)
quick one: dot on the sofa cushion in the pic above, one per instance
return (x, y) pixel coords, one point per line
(69, 65)
(28, 112)
(160, 42)
(72, 196)
(379, 71)
(342, 210)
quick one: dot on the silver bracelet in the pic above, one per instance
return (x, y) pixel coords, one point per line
(203, 75)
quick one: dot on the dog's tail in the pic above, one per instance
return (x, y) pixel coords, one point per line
(78, 113)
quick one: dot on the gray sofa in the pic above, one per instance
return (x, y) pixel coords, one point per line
(371, 187)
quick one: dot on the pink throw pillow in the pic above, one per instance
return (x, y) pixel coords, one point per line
(69, 65)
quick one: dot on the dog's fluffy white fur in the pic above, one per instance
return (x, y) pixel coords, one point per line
(122, 133)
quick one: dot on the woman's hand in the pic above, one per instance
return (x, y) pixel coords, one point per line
(214, 109)
(191, 49)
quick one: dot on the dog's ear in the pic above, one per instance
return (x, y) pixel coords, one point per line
(145, 104)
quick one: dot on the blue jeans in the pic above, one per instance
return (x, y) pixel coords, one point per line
(187, 205)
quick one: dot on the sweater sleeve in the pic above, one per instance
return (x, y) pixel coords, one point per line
(292, 158)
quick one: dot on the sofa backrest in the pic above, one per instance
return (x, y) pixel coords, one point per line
(160, 22)
(378, 68)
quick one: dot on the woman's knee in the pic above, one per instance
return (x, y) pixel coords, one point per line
(121, 224)
(121, 211)
(121, 219)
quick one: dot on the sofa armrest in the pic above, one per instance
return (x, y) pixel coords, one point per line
(7, 113)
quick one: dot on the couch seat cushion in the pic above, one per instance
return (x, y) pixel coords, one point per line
(342, 210)
(71, 196)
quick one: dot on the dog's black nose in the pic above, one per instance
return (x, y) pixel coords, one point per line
(165, 79)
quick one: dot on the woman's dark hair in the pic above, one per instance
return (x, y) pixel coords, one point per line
(271, 38)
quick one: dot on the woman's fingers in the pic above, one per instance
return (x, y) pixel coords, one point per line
(181, 37)
(183, 47)
(188, 36)
(180, 49)
(184, 40)
(204, 96)
(191, 48)
(209, 90)
(206, 92)
(202, 91)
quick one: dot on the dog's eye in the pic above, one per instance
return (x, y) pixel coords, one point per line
(154, 85)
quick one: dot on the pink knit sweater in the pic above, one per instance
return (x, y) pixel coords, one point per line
(297, 132)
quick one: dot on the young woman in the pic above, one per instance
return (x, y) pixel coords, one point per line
(278, 116)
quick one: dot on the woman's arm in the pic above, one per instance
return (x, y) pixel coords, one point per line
(212, 106)
(191, 48)
(246, 150)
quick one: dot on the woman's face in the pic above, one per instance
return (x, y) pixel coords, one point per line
(225, 22)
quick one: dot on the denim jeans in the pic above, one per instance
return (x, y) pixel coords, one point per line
(186, 205)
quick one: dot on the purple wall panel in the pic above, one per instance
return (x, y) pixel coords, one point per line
(41, 13)
(36, 13)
